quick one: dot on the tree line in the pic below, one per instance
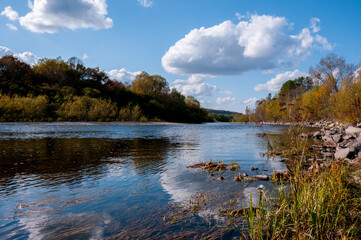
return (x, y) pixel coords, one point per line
(58, 90)
(332, 91)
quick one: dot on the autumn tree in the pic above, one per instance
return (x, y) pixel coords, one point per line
(192, 102)
(333, 71)
(149, 84)
(54, 71)
(16, 77)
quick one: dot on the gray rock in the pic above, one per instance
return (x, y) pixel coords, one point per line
(347, 143)
(317, 135)
(327, 139)
(346, 137)
(328, 133)
(326, 154)
(342, 153)
(336, 138)
(353, 131)
(357, 143)
(303, 135)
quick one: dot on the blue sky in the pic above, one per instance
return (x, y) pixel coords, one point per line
(222, 52)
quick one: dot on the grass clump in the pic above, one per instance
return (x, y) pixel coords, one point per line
(233, 166)
(211, 166)
(315, 204)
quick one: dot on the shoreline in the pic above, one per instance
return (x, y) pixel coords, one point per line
(318, 124)
(92, 123)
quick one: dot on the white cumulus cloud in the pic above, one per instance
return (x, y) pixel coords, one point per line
(122, 75)
(226, 100)
(50, 16)
(10, 13)
(197, 89)
(259, 43)
(26, 57)
(146, 3)
(276, 83)
(196, 85)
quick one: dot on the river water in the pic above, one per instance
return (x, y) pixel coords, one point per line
(124, 181)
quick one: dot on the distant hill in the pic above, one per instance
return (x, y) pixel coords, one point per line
(224, 112)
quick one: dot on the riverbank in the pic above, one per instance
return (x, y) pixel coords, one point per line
(319, 195)
(318, 124)
(115, 123)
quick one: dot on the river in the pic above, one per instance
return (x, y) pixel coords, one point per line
(123, 180)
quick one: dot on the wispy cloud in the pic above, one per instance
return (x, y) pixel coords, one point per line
(251, 101)
(11, 26)
(226, 100)
(146, 3)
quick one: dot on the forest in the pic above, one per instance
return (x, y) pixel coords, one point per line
(332, 91)
(58, 90)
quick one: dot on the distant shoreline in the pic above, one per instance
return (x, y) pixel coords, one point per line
(118, 123)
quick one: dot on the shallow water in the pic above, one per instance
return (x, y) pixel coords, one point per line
(102, 180)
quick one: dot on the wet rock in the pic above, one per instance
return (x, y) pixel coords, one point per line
(261, 177)
(342, 153)
(254, 169)
(353, 131)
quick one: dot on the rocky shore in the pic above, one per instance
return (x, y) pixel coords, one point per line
(338, 142)
(332, 141)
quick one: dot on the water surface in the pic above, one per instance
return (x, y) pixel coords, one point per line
(111, 180)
